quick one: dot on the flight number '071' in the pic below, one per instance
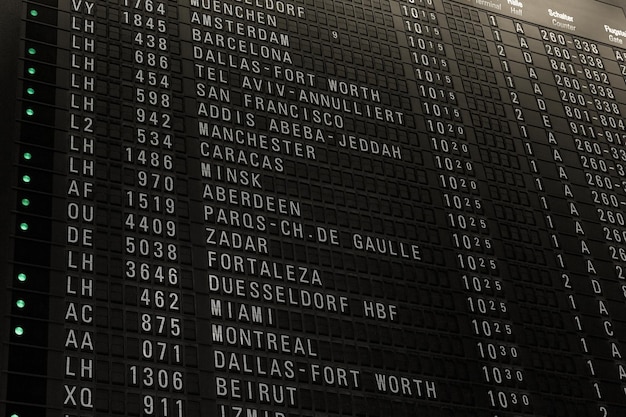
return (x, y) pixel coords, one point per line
(161, 351)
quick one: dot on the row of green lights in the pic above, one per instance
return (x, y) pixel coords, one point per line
(25, 201)
(31, 70)
(26, 179)
(32, 51)
(19, 331)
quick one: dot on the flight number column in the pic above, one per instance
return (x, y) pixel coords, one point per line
(154, 251)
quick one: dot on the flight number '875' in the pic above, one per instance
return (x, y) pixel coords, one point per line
(160, 325)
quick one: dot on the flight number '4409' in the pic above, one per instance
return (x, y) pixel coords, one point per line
(150, 225)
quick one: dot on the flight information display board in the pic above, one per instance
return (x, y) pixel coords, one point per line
(317, 208)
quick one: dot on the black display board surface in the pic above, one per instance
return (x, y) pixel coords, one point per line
(270, 208)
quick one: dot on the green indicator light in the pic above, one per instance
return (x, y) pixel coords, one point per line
(30, 112)
(25, 202)
(26, 179)
(24, 226)
(14, 415)
(34, 13)
(20, 303)
(27, 155)
(31, 71)
(19, 331)
(32, 51)
(30, 91)
(21, 277)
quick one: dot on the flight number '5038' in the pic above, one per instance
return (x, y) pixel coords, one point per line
(151, 248)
